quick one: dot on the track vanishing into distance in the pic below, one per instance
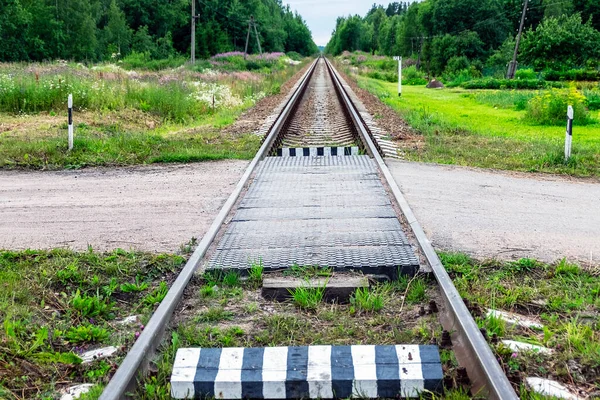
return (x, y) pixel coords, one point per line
(317, 193)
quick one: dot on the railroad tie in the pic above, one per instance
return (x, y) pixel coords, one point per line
(324, 372)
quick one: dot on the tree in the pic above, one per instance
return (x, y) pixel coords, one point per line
(560, 43)
(14, 21)
(553, 8)
(142, 42)
(589, 9)
(116, 33)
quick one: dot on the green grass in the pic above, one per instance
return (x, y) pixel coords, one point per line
(365, 299)
(308, 298)
(56, 304)
(464, 128)
(174, 116)
(241, 317)
(563, 296)
(123, 149)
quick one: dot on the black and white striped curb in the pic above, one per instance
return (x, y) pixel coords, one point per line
(325, 372)
(318, 151)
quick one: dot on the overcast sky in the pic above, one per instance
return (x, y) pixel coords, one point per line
(322, 14)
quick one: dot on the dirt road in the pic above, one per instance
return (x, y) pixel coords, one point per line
(159, 208)
(154, 208)
(503, 215)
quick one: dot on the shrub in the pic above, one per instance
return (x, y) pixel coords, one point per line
(550, 108)
(493, 83)
(528, 74)
(144, 61)
(457, 64)
(572, 75)
(412, 76)
(294, 55)
(460, 77)
(592, 99)
(384, 76)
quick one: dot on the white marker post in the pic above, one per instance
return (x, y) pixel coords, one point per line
(399, 59)
(569, 134)
(70, 105)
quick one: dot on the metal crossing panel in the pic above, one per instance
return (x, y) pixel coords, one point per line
(329, 211)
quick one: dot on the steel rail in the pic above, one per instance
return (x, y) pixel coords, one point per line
(144, 347)
(471, 349)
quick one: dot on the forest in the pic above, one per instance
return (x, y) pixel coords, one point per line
(451, 35)
(101, 30)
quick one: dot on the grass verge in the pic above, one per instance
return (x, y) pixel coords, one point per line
(57, 304)
(467, 128)
(563, 297)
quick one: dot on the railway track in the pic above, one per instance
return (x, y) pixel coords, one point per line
(318, 192)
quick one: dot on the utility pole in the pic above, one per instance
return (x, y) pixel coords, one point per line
(194, 17)
(247, 40)
(252, 24)
(512, 67)
(256, 34)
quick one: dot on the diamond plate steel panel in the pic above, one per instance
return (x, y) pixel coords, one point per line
(316, 225)
(363, 161)
(263, 214)
(315, 199)
(311, 239)
(344, 257)
(329, 211)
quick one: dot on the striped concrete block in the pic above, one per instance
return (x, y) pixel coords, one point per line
(325, 372)
(317, 151)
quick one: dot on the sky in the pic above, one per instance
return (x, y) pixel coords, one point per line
(320, 15)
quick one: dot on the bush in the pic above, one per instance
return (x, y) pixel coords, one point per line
(460, 77)
(384, 76)
(571, 75)
(593, 99)
(143, 61)
(526, 74)
(294, 55)
(456, 65)
(493, 83)
(412, 76)
(550, 108)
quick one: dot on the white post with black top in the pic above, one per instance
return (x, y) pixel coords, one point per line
(70, 105)
(569, 133)
(399, 59)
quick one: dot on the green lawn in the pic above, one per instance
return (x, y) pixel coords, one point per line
(458, 129)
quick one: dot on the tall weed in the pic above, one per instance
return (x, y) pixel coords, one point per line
(550, 107)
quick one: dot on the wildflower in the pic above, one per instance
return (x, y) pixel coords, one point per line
(137, 334)
(514, 355)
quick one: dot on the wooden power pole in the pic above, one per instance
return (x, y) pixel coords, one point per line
(512, 67)
(194, 16)
(252, 24)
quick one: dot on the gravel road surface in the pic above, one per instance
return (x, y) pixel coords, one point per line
(159, 208)
(504, 215)
(154, 208)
